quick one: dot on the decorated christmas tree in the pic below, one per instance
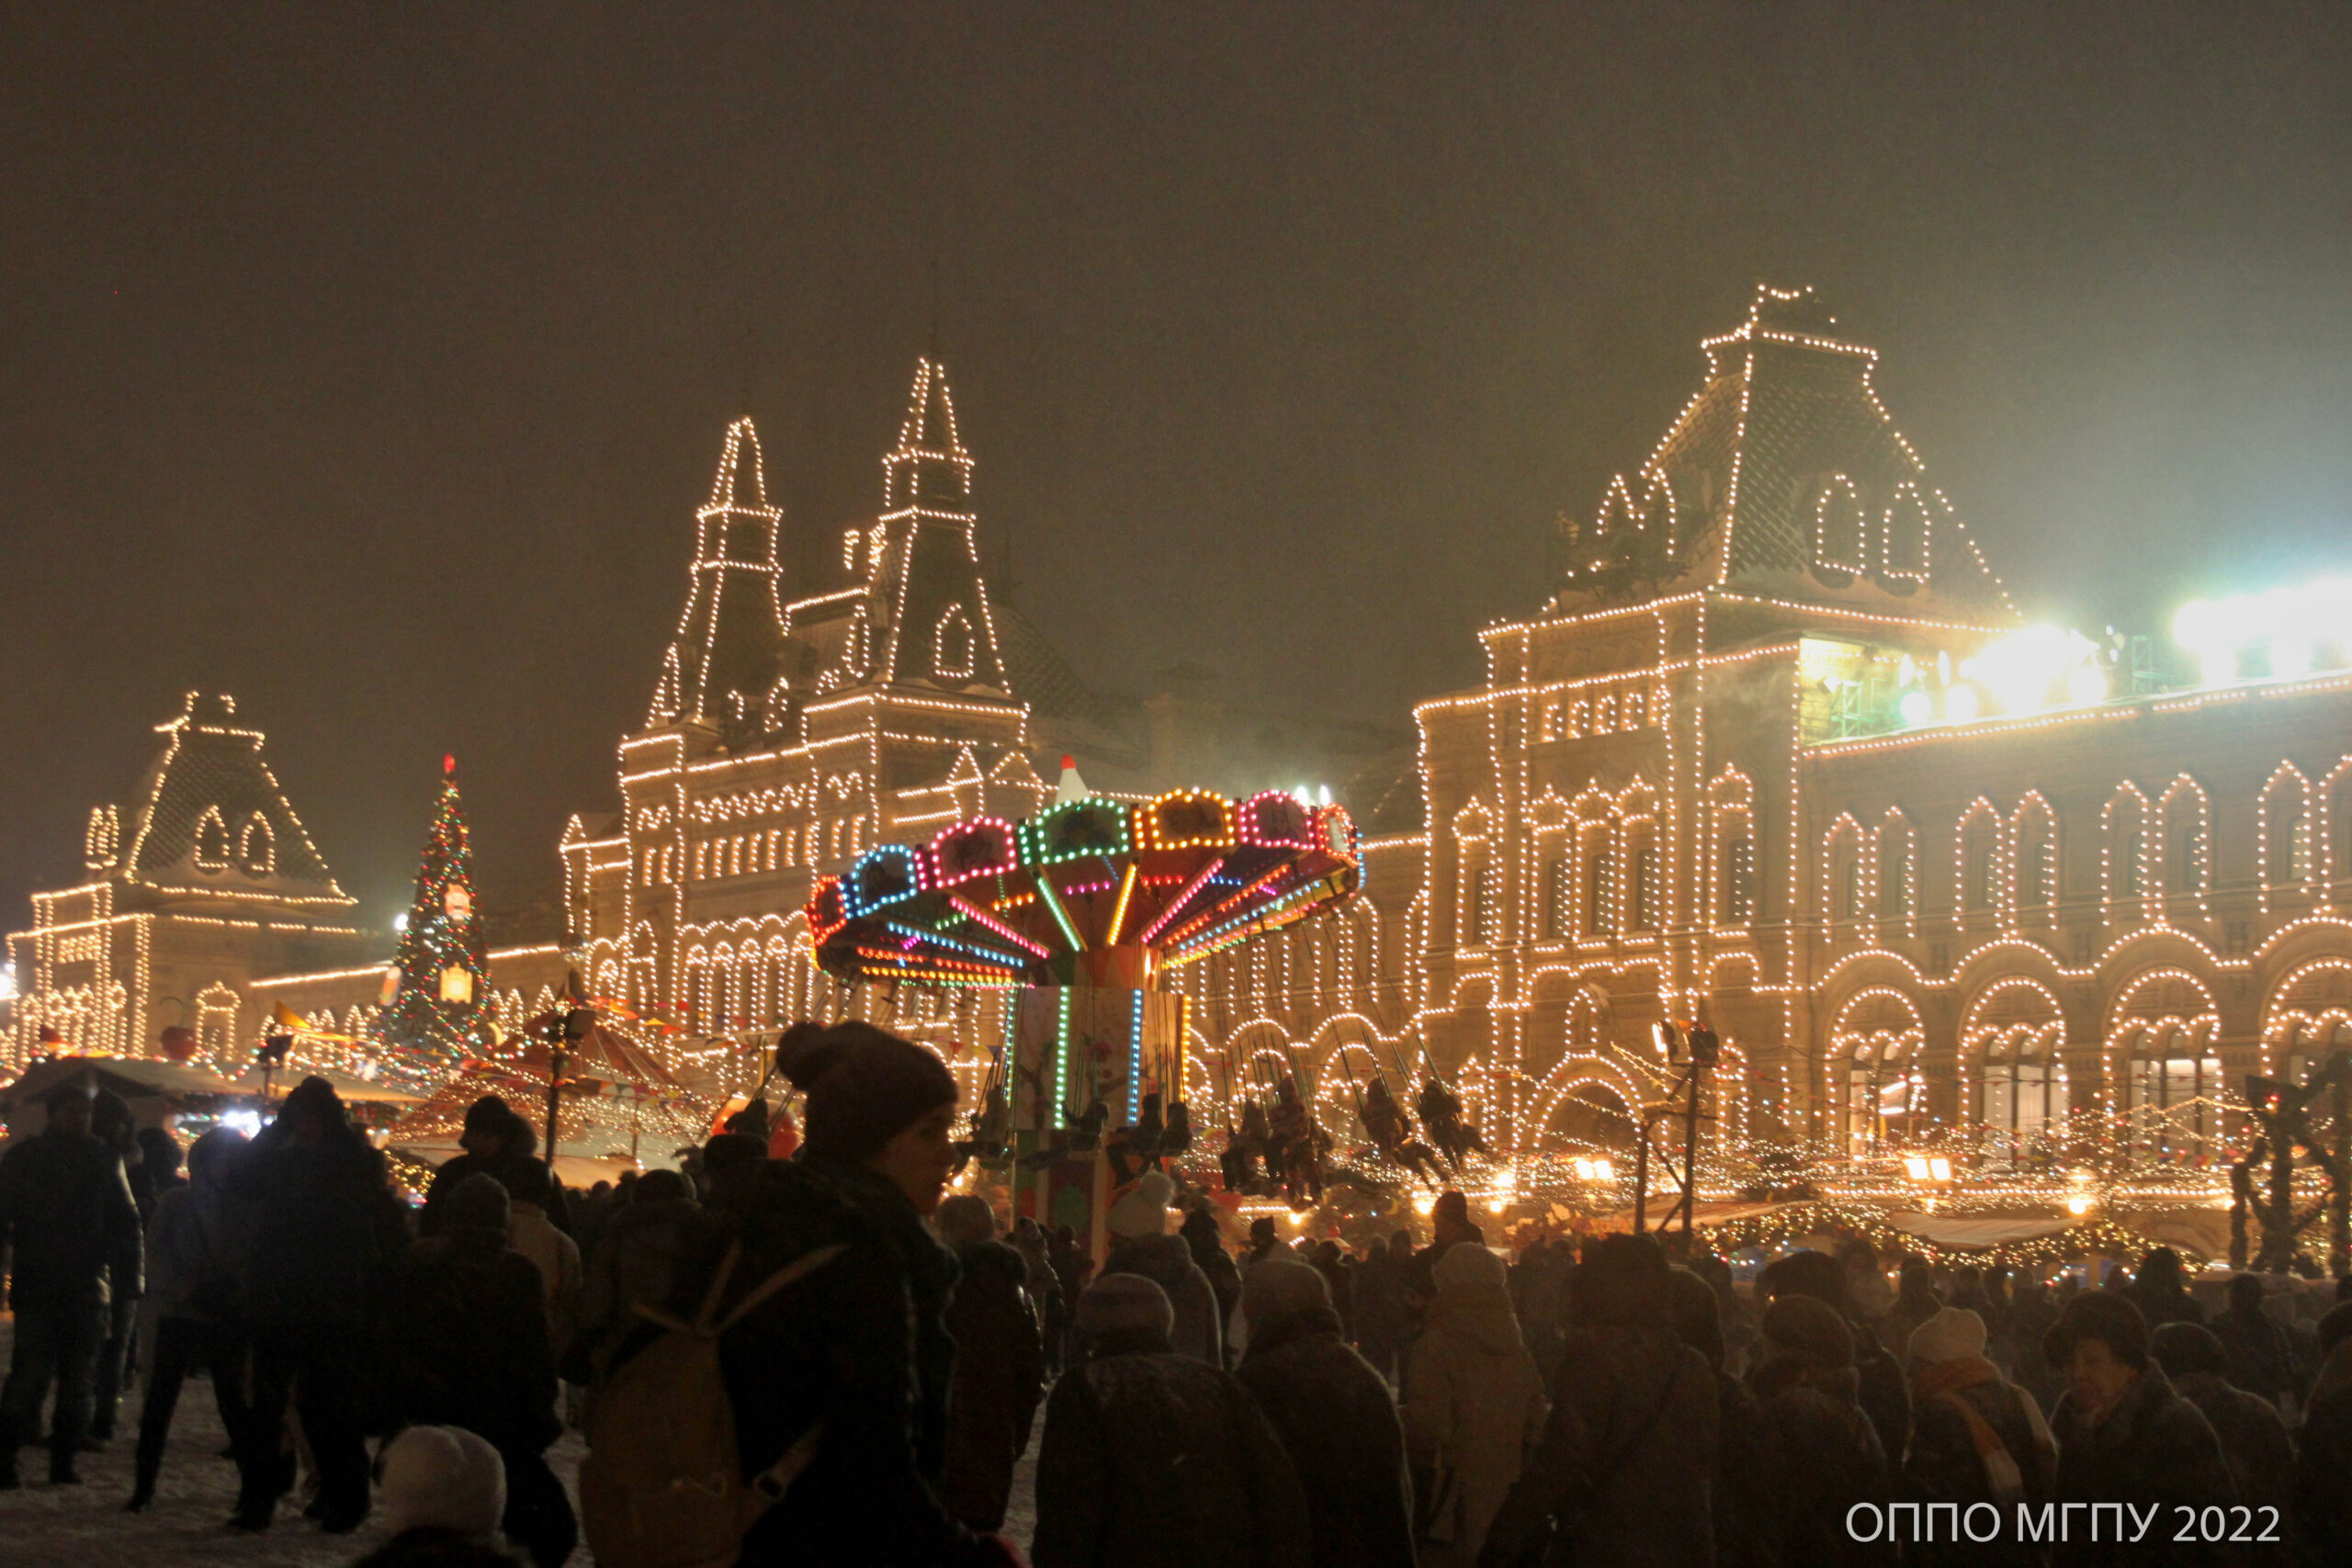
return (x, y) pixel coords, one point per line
(439, 1009)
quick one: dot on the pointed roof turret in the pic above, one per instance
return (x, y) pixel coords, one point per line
(929, 467)
(1784, 475)
(720, 665)
(213, 820)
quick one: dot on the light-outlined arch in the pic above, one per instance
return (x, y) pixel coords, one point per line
(2012, 1044)
(1731, 850)
(1894, 875)
(2123, 870)
(2033, 880)
(1977, 880)
(1840, 527)
(1875, 1043)
(2283, 835)
(2163, 1071)
(2307, 1018)
(2185, 842)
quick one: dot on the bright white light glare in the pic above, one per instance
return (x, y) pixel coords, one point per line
(1916, 1167)
(400, 922)
(2283, 628)
(1940, 1168)
(1602, 1171)
(246, 1121)
(1960, 704)
(2078, 1204)
(2086, 685)
(1916, 707)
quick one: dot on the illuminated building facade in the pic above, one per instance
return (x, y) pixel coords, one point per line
(207, 881)
(1779, 756)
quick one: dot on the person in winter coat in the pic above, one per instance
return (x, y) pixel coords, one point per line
(1625, 1469)
(1334, 1415)
(1881, 1387)
(466, 1345)
(72, 1231)
(1206, 1244)
(1474, 1403)
(1153, 1460)
(2253, 1434)
(2260, 1357)
(1868, 1294)
(636, 1263)
(2324, 1450)
(1825, 1448)
(530, 1186)
(1000, 1365)
(1976, 1438)
(1915, 1301)
(195, 1247)
(1383, 1321)
(2124, 1436)
(2156, 1289)
(1746, 1495)
(1030, 1240)
(1450, 1226)
(493, 1137)
(326, 1233)
(157, 1172)
(1140, 1244)
(111, 1122)
(859, 1343)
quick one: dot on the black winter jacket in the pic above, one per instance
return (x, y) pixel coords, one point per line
(1000, 1376)
(860, 1344)
(1153, 1460)
(1828, 1460)
(1337, 1421)
(326, 1231)
(67, 1221)
(465, 1340)
(2153, 1447)
(1625, 1469)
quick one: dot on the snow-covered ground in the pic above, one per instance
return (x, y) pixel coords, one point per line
(68, 1527)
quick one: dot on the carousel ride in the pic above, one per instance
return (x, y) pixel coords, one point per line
(1078, 915)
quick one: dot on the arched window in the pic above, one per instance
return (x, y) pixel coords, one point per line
(1906, 534)
(2013, 1034)
(2285, 838)
(1980, 860)
(1479, 914)
(1559, 897)
(2309, 1018)
(2035, 834)
(1642, 891)
(1877, 1036)
(1897, 874)
(1732, 799)
(951, 646)
(1597, 899)
(1848, 873)
(2161, 1046)
(211, 841)
(1840, 528)
(256, 847)
(2126, 826)
(2184, 811)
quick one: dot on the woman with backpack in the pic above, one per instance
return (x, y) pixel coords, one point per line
(826, 1298)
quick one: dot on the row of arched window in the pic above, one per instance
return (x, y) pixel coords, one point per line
(745, 854)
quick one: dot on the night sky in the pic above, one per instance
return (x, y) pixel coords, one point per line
(369, 363)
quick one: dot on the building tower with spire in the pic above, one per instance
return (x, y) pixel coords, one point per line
(791, 731)
(722, 661)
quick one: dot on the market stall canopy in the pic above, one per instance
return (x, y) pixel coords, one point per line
(1983, 1231)
(133, 1077)
(1707, 1214)
(599, 1058)
(349, 1087)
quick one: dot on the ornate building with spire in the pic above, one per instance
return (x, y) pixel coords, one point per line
(794, 725)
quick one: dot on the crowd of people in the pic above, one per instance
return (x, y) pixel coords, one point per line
(826, 1358)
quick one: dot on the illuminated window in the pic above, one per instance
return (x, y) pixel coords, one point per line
(1641, 869)
(1739, 880)
(1980, 879)
(212, 841)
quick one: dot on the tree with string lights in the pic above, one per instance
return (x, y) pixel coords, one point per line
(438, 1009)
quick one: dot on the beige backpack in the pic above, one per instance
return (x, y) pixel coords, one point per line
(663, 1485)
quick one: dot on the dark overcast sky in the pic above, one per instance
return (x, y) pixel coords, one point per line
(368, 362)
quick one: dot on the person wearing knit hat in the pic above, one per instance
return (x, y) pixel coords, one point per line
(1473, 1398)
(1975, 1436)
(2255, 1440)
(1150, 1456)
(1826, 1452)
(442, 1478)
(855, 1345)
(1334, 1414)
(1139, 1226)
